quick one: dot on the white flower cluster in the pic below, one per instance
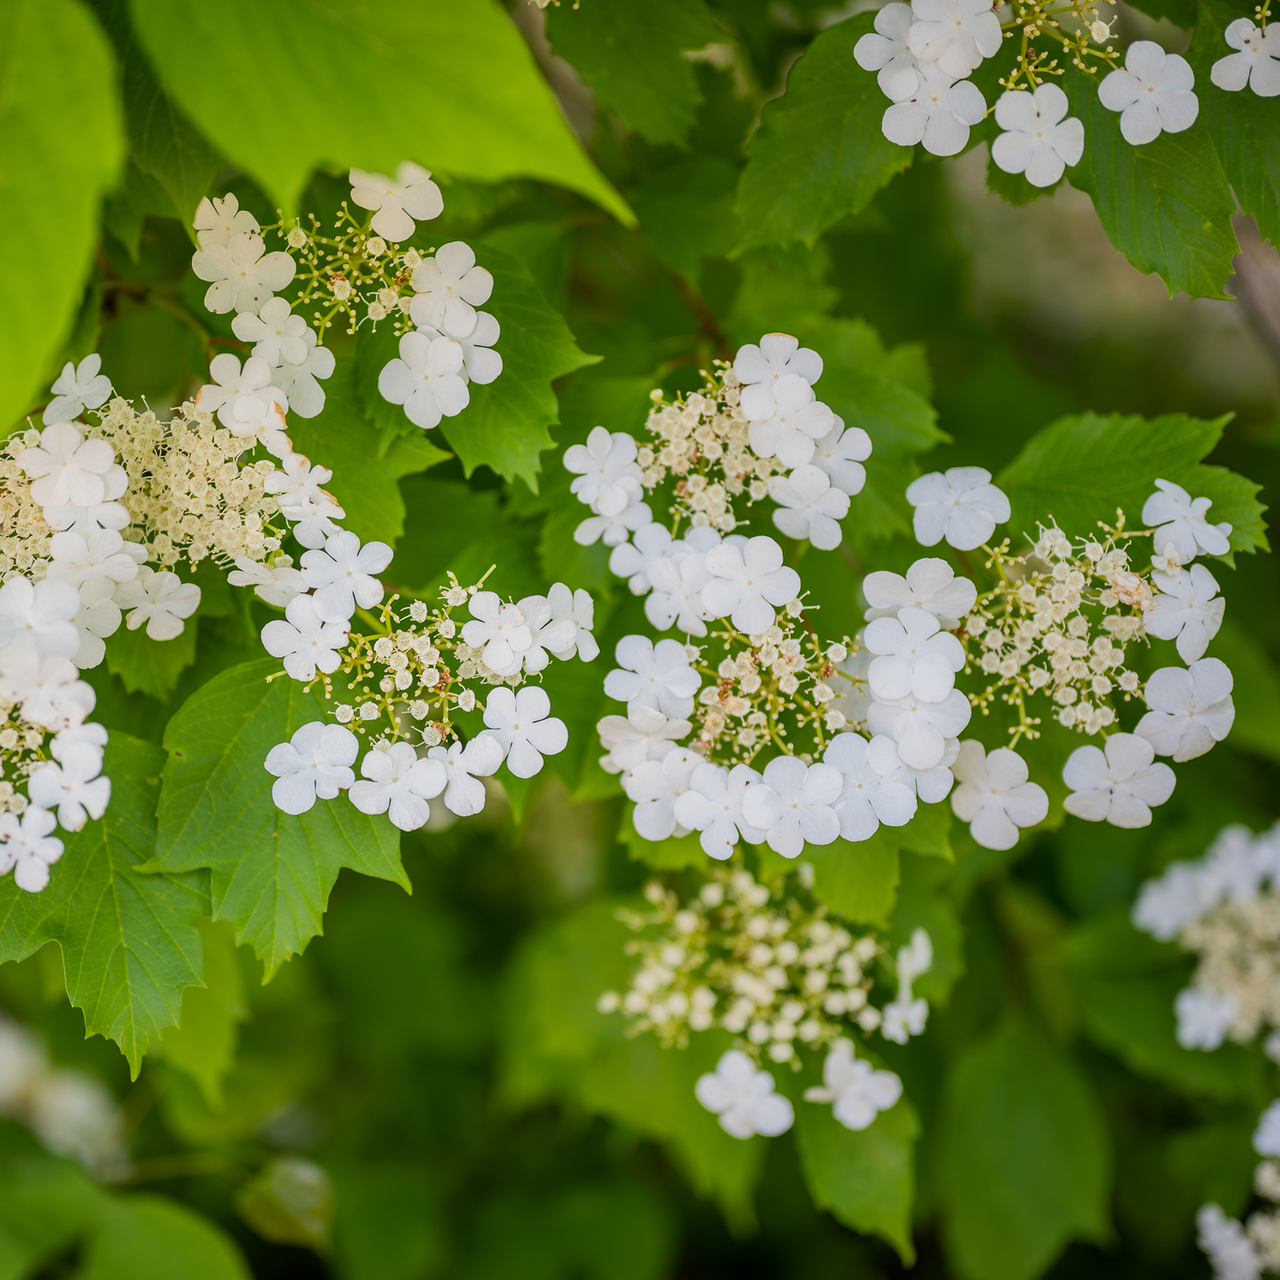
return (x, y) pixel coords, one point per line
(777, 972)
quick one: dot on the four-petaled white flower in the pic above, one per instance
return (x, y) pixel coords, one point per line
(994, 796)
(614, 529)
(242, 278)
(464, 793)
(343, 575)
(1152, 93)
(859, 1092)
(631, 560)
(930, 584)
(761, 369)
(747, 581)
(448, 289)
(921, 730)
(655, 785)
(297, 378)
(798, 421)
(1204, 1018)
(676, 598)
(644, 733)
(744, 1098)
(399, 202)
(713, 807)
(960, 505)
(888, 52)
(955, 34)
(66, 469)
(277, 334)
(1119, 786)
(809, 506)
(71, 784)
(501, 630)
(314, 764)
(28, 847)
(399, 784)
(262, 420)
(79, 387)
(95, 622)
(793, 803)
(304, 640)
(841, 453)
(297, 486)
(480, 363)
(913, 656)
(1040, 140)
(37, 615)
(608, 475)
(938, 113)
(44, 688)
(867, 797)
(1187, 609)
(424, 378)
(548, 635)
(521, 722)
(577, 608)
(276, 583)
(932, 784)
(161, 600)
(216, 221)
(231, 383)
(1190, 710)
(94, 566)
(650, 675)
(1182, 523)
(1257, 64)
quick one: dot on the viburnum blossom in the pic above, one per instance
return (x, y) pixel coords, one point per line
(1038, 140)
(298, 485)
(809, 506)
(66, 469)
(608, 477)
(277, 334)
(480, 363)
(1257, 64)
(746, 582)
(398, 201)
(524, 727)
(276, 583)
(314, 764)
(712, 806)
(867, 798)
(1190, 710)
(44, 688)
(763, 370)
(464, 765)
(743, 1097)
(306, 642)
(676, 598)
(793, 803)
(797, 421)
(613, 529)
(1118, 785)
(1153, 95)
(1182, 523)
(297, 378)
(652, 675)
(424, 378)
(994, 796)
(217, 220)
(956, 34)
(231, 383)
(632, 560)
(655, 785)
(938, 114)
(578, 609)
(888, 52)
(449, 287)
(1187, 609)
(644, 733)
(77, 388)
(242, 278)
(962, 506)
(343, 575)
(27, 846)
(94, 566)
(395, 781)
(499, 628)
(920, 729)
(71, 784)
(914, 656)
(161, 600)
(841, 453)
(38, 616)
(929, 584)
(858, 1091)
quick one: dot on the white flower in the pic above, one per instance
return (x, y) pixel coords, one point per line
(811, 507)
(424, 378)
(399, 785)
(94, 622)
(676, 598)
(903, 1019)
(276, 332)
(578, 609)
(1038, 140)
(744, 1098)
(938, 113)
(961, 505)
(1152, 93)
(1190, 710)
(747, 581)
(841, 453)
(994, 796)
(45, 689)
(608, 474)
(1266, 1137)
(956, 34)
(501, 630)
(72, 785)
(297, 378)
(1229, 1248)
(1204, 1018)
(24, 1064)
(655, 786)
(1236, 864)
(793, 804)
(522, 723)
(1118, 787)
(1186, 610)
(464, 793)
(66, 469)
(276, 584)
(304, 640)
(867, 797)
(930, 584)
(1257, 64)
(613, 528)
(399, 201)
(888, 51)
(297, 486)
(713, 806)
(913, 656)
(1165, 906)
(314, 764)
(93, 565)
(93, 516)
(343, 575)
(653, 676)
(253, 418)
(161, 600)
(28, 847)
(797, 422)
(920, 729)
(480, 364)
(74, 1115)
(644, 733)
(39, 616)
(859, 1092)
(548, 635)
(217, 221)
(1182, 522)
(762, 369)
(242, 278)
(448, 288)
(631, 560)
(230, 383)
(78, 388)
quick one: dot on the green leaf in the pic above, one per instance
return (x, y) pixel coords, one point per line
(1165, 205)
(1026, 1166)
(289, 1202)
(819, 153)
(148, 1238)
(128, 939)
(151, 666)
(62, 151)
(632, 57)
(270, 873)
(505, 425)
(1078, 470)
(687, 213)
(452, 86)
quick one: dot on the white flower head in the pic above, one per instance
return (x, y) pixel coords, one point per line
(1204, 1018)
(72, 785)
(68, 470)
(448, 289)
(314, 764)
(887, 51)
(1119, 785)
(655, 785)
(521, 722)
(1227, 1245)
(930, 584)
(744, 1098)
(1152, 93)
(676, 598)
(501, 630)
(762, 369)
(547, 635)
(1166, 905)
(79, 387)
(921, 729)
(94, 565)
(276, 584)
(216, 221)
(841, 453)
(464, 793)
(914, 656)
(297, 486)
(45, 689)
(480, 364)
(938, 114)
(932, 784)
(955, 34)
(1040, 140)
(793, 803)
(424, 378)
(1187, 609)
(38, 615)
(1190, 710)
(296, 379)
(242, 278)
(608, 474)
(867, 798)
(613, 529)
(231, 383)
(399, 784)
(1182, 523)
(994, 796)
(631, 560)
(398, 201)
(858, 1091)
(161, 600)
(1257, 64)
(27, 845)
(712, 806)
(342, 575)
(650, 675)
(747, 581)
(809, 506)
(578, 609)
(960, 505)
(798, 421)
(306, 642)
(277, 334)
(644, 733)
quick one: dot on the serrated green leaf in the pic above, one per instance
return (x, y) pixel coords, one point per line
(270, 873)
(687, 213)
(452, 86)
(67, 148)
(129, 942)
(820, 152)
(150, 666)
(150, 1238)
